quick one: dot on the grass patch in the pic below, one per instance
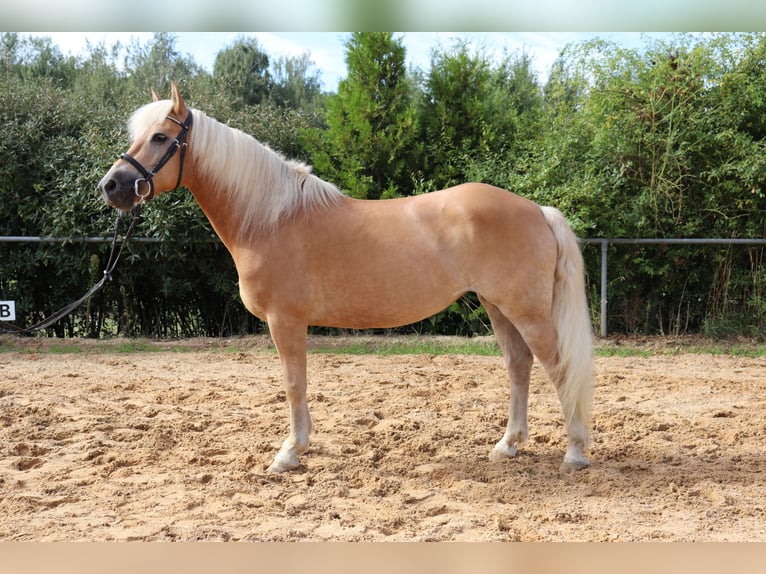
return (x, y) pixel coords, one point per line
(694, 345)
(383, 345)
(623, 352)
(135, 346)
(54, 346)
(750, 352)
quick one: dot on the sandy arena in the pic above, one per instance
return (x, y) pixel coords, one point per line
(168, 445)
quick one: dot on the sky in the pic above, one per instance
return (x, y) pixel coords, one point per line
(326, 49)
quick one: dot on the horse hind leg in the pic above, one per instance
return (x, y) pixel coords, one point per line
(519, 341)
(542, 339)
(518, 363)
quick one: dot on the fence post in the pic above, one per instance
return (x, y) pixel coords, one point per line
(604, 250)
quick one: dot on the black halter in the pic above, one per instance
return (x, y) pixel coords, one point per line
(175, 145)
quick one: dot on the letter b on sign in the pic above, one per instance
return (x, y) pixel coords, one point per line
(7, 310)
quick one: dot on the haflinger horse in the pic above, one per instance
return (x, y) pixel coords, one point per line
(307, 254)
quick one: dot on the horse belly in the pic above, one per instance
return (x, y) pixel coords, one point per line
(383, 292)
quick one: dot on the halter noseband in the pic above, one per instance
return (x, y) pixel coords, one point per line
(178, 143)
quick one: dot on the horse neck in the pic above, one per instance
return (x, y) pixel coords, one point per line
(205, 175)
(215, 208)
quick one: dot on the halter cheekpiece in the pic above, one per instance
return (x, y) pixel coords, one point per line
(179, 143)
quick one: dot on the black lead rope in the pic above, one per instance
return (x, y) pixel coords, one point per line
(114, 256)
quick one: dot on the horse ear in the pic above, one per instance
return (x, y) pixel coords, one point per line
(155, 97)
(179, 107)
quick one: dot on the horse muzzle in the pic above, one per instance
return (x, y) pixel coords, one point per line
(123, 189)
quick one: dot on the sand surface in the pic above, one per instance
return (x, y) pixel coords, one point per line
(168, 445)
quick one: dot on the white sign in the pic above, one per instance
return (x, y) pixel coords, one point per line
(7, 310)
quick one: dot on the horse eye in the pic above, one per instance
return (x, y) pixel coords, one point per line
(159, 137)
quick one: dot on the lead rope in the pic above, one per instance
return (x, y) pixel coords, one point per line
(114, 256)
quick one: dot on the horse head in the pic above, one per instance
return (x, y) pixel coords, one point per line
(159, 132)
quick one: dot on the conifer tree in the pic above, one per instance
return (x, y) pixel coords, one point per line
(369, 141)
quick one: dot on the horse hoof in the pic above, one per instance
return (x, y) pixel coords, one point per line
(574, 463)
(283, 464)
(502, 452)
(278, 468)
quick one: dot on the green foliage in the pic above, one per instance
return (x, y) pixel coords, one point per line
(295, 86)
(476, 118)
(656, 146)
(368, 147)
(243, 71)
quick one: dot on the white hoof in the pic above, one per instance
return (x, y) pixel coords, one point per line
(283, 462)
(502, 451)
(574, 461)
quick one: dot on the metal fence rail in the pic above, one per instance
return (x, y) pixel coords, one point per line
(30, 239)
(603, 242)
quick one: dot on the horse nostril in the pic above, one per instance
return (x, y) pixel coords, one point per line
(109, 186)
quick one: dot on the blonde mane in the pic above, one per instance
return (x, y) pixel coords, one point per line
(260, 184)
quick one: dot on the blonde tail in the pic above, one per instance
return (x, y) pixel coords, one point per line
(573, 325)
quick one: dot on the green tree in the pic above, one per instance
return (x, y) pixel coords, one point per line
(9, 53)
(34, 58)
(157, 64)
(294, 84)
(99, 79)
(512, 115)
(369, 144)
(55, 144)
(243, 70)
(476, 116)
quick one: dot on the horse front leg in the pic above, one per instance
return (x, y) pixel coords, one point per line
(290, 341)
